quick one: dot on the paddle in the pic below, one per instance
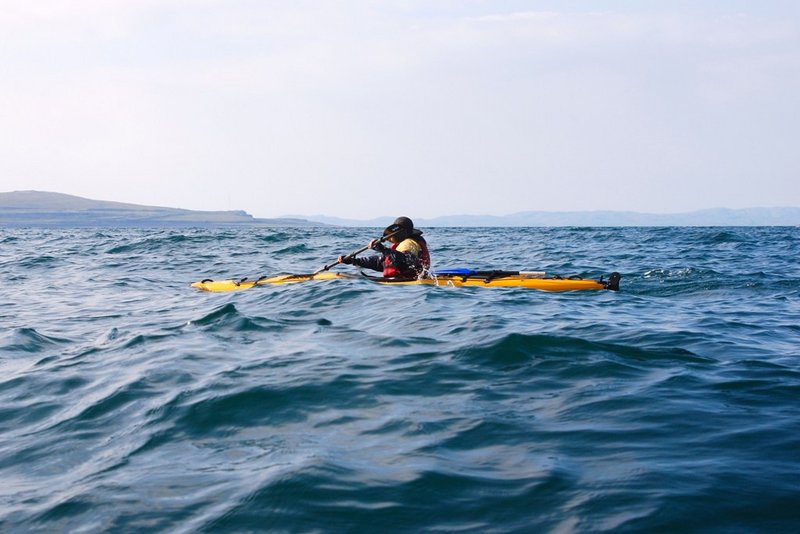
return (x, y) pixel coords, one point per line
(357, 252)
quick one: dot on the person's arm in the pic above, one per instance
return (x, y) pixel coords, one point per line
(368, 262)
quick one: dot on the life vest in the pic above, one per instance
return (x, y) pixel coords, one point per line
(422, 262)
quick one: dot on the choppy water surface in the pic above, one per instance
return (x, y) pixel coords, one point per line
(129, 401)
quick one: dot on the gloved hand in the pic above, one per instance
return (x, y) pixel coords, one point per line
(376, 245)
(347, 260)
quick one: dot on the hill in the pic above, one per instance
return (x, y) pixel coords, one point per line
(39, 208)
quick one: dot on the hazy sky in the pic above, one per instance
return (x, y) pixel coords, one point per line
(420, 107)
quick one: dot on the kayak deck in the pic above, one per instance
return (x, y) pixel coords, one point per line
(527, 280)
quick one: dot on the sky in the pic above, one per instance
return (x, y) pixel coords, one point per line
(360, 109)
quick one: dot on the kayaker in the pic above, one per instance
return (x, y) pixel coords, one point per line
(408, 257)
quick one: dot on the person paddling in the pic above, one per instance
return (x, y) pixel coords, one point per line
(408, 257)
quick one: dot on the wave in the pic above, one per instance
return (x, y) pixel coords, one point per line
(33, 262)
(228, 317)
(29, 340)
(169, 240)
(518, 348)
(274, 236)
(294, 249)
(152, 244)
(727, 236)
(676, 281)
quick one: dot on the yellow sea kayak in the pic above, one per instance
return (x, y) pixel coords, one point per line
(453, 278)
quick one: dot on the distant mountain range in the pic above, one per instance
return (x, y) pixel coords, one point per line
(708, 217)
(37, 208)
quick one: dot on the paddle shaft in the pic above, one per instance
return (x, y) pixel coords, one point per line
(357, 252)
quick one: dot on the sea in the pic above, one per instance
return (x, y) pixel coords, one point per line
(131, 402)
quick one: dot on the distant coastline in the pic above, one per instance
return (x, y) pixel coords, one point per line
(47, 209)
(709, 217)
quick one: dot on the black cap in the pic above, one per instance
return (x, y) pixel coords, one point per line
(406, 227)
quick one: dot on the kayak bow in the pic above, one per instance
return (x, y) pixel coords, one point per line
(452, 278)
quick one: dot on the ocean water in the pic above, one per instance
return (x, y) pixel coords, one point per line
(130, 402)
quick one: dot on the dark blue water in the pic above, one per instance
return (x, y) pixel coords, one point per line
(131, 402)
